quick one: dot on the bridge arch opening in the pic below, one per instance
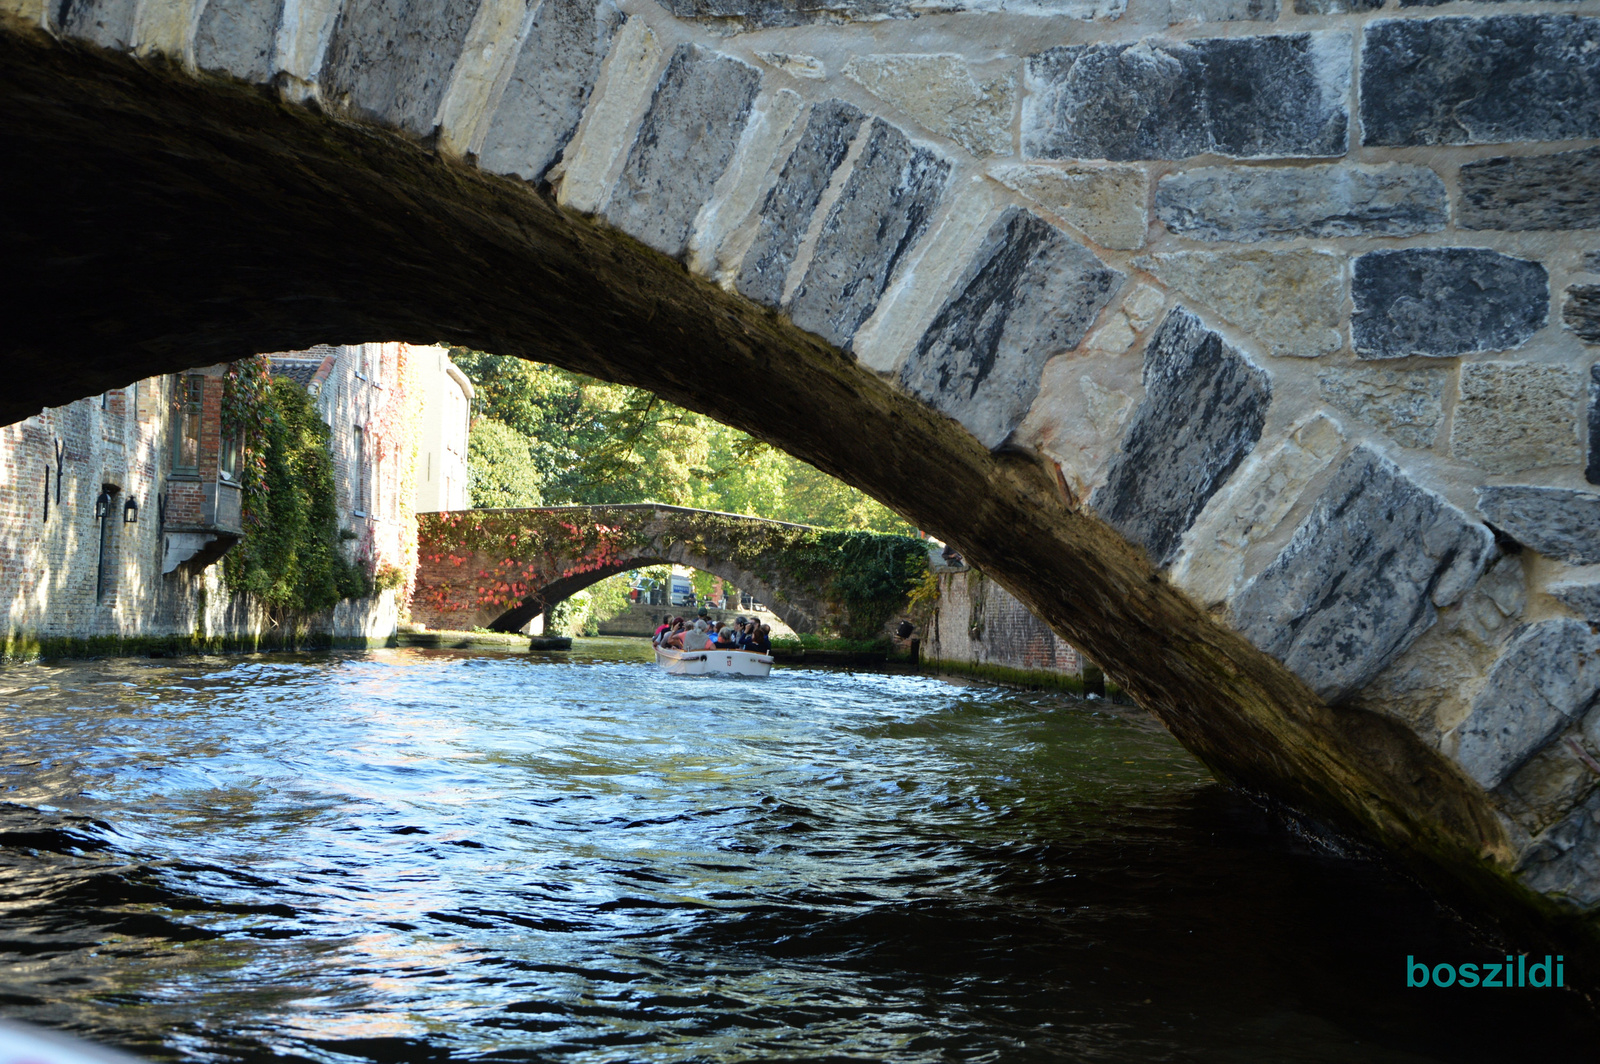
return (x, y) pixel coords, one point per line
(1281, 566)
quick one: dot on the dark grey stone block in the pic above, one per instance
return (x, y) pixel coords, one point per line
(550, 83)
(1559, 191)
(1558, 522)
(1335, 7)
(685, 142)
(1584, 599)
(769, 14)
(237, 37)
(108, 23)
(1580, 311)
(786, 212)
(881, 213)
(1029, 293)
(1566, 860)
(392, 59)
(1203, 410)
(1591, 472)
(1480, 80)
(1361, 577)
(1546, 679)
(1591, 261)
(1445, 301)
(1248, 97)
(1252, 203)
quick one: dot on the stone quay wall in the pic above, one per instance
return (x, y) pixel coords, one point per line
(978, 628)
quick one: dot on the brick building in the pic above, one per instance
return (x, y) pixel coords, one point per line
(114, 509)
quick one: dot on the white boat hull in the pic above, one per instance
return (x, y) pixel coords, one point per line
(713, 662)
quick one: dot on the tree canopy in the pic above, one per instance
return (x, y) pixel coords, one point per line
(589, 442)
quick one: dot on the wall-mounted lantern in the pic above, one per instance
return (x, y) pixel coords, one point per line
(102, 505)
(130, 512)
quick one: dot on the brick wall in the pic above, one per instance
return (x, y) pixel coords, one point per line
(979, 623)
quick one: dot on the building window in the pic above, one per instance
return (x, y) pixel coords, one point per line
(228, 460)
(186, 404)
(359, 503)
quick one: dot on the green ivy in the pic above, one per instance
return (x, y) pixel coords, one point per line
(290, 558)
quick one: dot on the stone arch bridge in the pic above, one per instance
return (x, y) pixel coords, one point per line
(502, 568)
(1252, 344)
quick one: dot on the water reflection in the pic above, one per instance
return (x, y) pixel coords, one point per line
(432, 855)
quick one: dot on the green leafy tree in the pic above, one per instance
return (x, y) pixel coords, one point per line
(501, 468)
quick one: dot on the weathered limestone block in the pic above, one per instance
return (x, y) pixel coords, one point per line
(237, 37)
(1361, 577)
(1580, 311)
(1582, 599)
(583, 176)
(1290, 301)
(881, 213)
(1247, 97)
(550, 84)
(1211, 564)
(1407, 405)
(1084, 400)
(1549, 784)
(1559, 191)
(1030, 292)
(1422, 80)
(940, 93)
(108, 23)
(1591, 261)
(1203, 411)
(1546, 679)
(684, 144)
(1557, 522)
(1445, 301)
(737, 16)
(391, 60)
(1517, 415)
(1227, 203)
(1222, 11)
(1591, 472)
(1566, 860)
(1335, 7)
(1107, 203)
(790, 203)
(800, 66)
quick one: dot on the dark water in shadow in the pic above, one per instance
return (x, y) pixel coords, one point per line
(426, 856)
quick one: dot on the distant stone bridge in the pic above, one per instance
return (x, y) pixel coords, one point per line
(1252, 344)
(500, 569)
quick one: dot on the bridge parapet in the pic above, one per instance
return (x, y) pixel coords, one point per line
(501, 568)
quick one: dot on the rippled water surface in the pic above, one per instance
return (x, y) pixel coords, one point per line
(432, 855)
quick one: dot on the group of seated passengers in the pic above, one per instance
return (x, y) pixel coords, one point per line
(742, 634)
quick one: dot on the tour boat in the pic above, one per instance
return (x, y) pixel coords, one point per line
(709, 662)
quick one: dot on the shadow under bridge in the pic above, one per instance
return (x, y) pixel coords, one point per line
(500, 569)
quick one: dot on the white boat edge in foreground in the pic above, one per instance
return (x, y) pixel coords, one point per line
(709, 662)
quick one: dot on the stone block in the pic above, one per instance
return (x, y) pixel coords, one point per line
(1558, 522)
(549, 86)
(1030, 292)
(1423, 79)
(1548, 785)
(1590, 262)
(787, 209)
(1516, 415)
(1292, 302)
(237, 37)
(741, 16)
(882, 212)
(108, 23)
(683, 145)
(1591, 472)
(1362, 577)
(1580, 312)
(391, 59)
(1406, 405)
(1106, 203)
(800, 66)
(1565, 861)
(1248, 204)
(1560, 191)
(1335, 7)
(1546, 680)
(1222, 11)
(940, 93)
(1582, 599)
(1444, 302)
(1203, 411)
(1246, 97)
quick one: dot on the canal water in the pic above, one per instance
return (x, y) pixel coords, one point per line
(415, 856)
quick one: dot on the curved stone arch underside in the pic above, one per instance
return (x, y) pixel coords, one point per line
(1303, 454)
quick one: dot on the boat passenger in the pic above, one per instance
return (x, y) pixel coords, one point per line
(661, 630)
(762, 643)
